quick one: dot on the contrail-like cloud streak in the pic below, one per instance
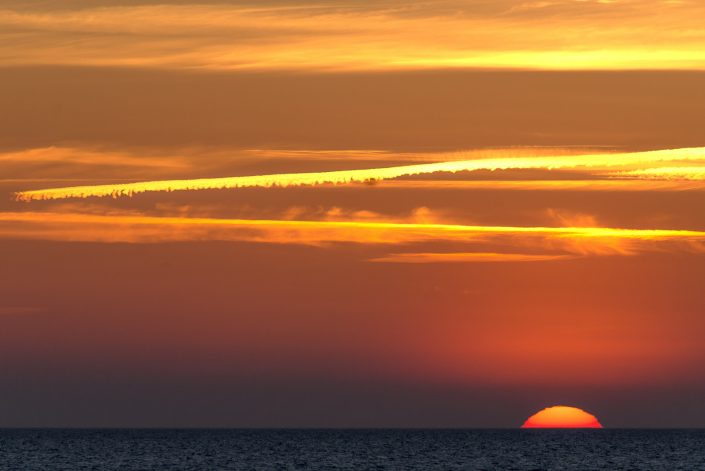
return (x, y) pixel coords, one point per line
(149, 229)
(594, 162)
(465, 257)
(667, 173)
(637, 184)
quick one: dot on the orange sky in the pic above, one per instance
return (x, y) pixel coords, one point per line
(450, 213)
(338, 35)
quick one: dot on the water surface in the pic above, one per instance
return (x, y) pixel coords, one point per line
(182, 449)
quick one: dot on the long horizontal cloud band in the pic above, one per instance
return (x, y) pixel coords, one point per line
(628, 161)
(635, 34)
(146, 229)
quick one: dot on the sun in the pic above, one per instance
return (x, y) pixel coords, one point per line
(562, 417)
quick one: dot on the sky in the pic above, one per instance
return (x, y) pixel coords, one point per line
(351, 214)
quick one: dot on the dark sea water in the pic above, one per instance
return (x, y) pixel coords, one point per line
(56, 449)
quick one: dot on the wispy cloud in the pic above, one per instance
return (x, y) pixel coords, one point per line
(559, 241)
(626, 185)
(78, 164)
(92, 157)
(666, 173)
(595, 163)
(364, 35)
(465, 257)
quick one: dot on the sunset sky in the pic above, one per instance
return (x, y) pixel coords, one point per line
(351, 213)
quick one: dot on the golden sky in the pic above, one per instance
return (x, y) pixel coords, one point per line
(554, 34)
(448, 213)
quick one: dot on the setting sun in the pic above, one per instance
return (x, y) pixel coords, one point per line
(562, 417)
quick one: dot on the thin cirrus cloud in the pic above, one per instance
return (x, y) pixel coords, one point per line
(80, 156)
(562, 242)
(66, 162)
(624, 34)
(621, 185)
(592, 164)
(666, 173)
(75, 163)
(464, 257)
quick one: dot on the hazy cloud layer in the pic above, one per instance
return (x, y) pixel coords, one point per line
(638, 34)
(561, 242)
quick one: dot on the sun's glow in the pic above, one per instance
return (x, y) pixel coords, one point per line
(562, 417)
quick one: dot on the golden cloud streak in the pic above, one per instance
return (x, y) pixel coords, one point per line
(667, 173)
(464, 257)
(594, 162)
(552, 185)
(621, 35)
(73, 155)
(137, 228)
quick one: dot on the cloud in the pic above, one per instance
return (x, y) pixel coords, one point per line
(77, 164)
(465, 257)
(357, 35)
(595, 163)
(637, 185)
(665, 173)
(559, 241)
(74, 155)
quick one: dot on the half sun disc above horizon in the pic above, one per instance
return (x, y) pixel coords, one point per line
(562, 417)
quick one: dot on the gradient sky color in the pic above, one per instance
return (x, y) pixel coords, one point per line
(272, 214)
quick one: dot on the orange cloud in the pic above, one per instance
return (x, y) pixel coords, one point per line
(75, 164)
(591, 163)
(666, 173)
(464, 257)
(562, 241)
(74, 155)
(637, 34)
(551, 185)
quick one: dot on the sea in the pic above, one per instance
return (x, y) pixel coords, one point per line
(394, 449)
